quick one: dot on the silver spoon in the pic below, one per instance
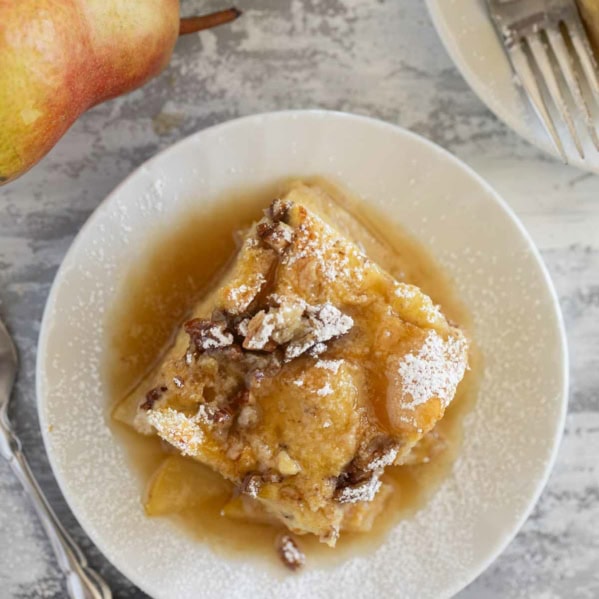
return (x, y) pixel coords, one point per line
(82, 581)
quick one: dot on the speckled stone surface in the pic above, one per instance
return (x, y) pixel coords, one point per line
(381, 59)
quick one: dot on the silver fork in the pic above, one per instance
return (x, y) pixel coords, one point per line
(82, 582)
(553, 59)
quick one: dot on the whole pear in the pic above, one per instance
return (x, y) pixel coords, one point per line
(60, 57)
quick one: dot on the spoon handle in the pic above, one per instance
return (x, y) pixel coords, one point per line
(81, 580)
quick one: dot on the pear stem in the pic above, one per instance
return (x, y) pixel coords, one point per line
(193, 24)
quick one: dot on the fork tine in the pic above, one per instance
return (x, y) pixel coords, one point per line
(539, 53)
(581, 44)
(566, 63)
(529, 82)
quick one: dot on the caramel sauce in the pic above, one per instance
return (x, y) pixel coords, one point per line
(162, 286)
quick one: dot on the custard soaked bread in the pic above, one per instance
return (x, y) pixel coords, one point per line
(303, 374)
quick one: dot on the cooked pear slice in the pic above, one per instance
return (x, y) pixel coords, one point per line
(180, 484)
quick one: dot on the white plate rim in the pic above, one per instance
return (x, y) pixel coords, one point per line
(524, 129)
(104, 205)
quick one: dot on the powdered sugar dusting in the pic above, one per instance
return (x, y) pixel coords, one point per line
(382, 461)
(252, 487)
(241, 296)
(363, 492)
(332, 365)
(332, 256)
(179, 430)
(326, 390)
(511, 430)
(221, 339)
(434, 371)
(433, 313)
(406, 291)
(258, 330)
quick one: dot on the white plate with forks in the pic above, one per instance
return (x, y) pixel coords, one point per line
(472, 42)
(510, 436)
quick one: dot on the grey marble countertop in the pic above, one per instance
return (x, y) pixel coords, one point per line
(377, 58)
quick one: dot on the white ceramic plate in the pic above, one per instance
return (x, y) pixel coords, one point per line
(511, 436)
(471, 41)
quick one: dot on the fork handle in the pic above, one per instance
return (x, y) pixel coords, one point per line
(81, 580)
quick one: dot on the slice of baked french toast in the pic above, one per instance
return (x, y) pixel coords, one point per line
(303, 374)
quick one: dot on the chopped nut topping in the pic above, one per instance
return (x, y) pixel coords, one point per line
(251, 484)
(360, 481)
(206, 334)
(325, 322)
(211, 414)
(222, 415)
(289, 552)
(302, 327)
(152, 396)
(361, 491)
(253, 481)
(279, 210)
(269, 329)
(380, 453)
(277, 236)
(242, 327)
(258, 332)
(286, 465)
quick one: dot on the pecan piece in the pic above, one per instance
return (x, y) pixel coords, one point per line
(259, 331)
(281, 322)
(251, 484)
(289, 552)
(364, 490)
(378, 454)
(360, 480)
(242, 327)
(279, 210)
(277, 236)
(222, 415)
(206, 334)
(211, 414)
(253, 481)
(323, 323)
(152, 396)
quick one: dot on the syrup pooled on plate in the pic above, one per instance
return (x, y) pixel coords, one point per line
(161, 292)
